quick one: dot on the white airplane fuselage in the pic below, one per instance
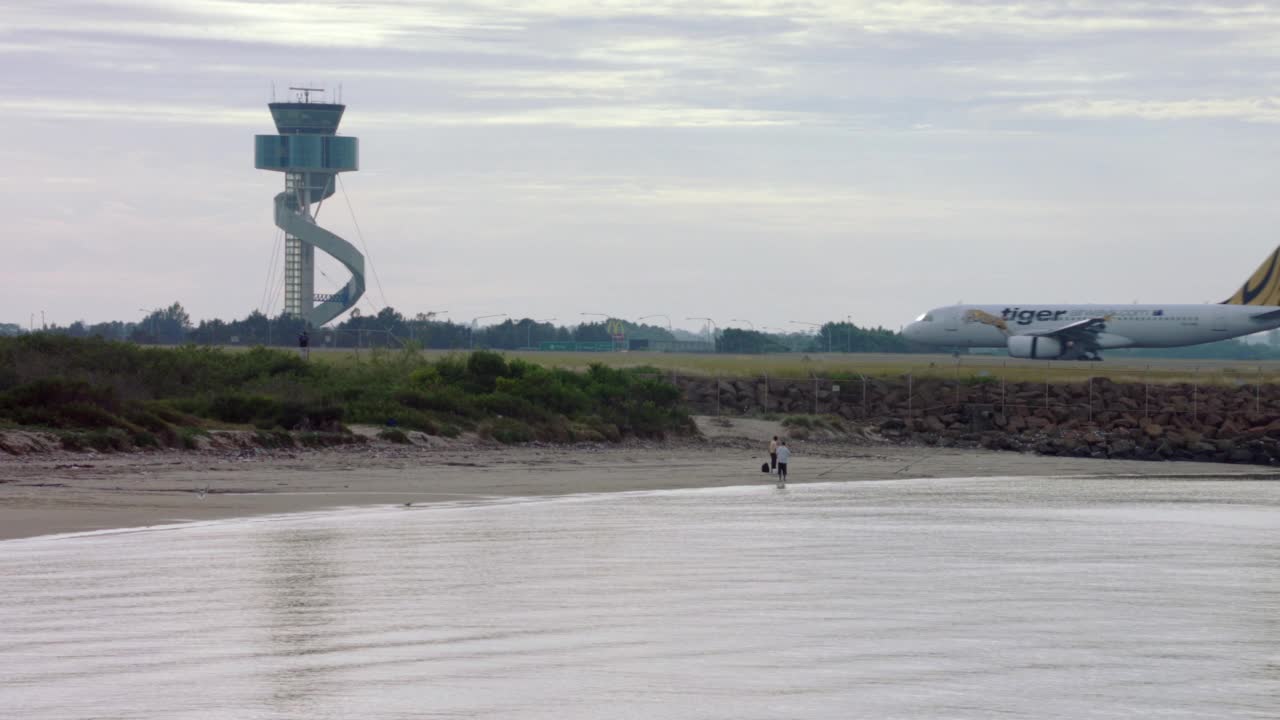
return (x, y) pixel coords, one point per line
(1122, 326)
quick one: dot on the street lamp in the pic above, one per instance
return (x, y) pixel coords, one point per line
(668, 319)
(154, 337)
(711, 325)
(754, 336)
(425, 317)
(817, 325)
(529, 339)
(471, 340)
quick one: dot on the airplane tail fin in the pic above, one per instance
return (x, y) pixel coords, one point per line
(1263, 287)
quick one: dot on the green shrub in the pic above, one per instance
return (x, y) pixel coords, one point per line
(85, 385)
(446, 399)
(108, 440)
(507, 430)
(483, 370)
(243, 409)
(394, 435)
(297, 415)
(145, 439)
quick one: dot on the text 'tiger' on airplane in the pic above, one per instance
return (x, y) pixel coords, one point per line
(1081, 332)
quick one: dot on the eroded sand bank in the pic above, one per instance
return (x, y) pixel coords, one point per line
(48, 494)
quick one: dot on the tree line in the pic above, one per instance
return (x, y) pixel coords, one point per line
(172, 325)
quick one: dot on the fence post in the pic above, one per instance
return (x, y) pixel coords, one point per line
(1195, 394)
(1146, 392)
(910, 394)
(1003, 407)
(1046, 385)
(1257, 393)
(1090, 398)
(864, 397)
(766, 392)
(815, 394)
(717, 394)
(957, 383)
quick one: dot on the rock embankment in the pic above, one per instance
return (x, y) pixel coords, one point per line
(1236, 423)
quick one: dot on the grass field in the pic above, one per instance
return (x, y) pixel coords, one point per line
(885, 365)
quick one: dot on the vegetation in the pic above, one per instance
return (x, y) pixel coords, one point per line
(132, 395)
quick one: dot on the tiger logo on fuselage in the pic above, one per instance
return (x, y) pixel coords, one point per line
(986, 318)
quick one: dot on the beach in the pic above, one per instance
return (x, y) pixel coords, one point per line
(53, 493)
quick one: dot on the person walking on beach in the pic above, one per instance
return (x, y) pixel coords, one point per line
(784, 457)
(773, 453)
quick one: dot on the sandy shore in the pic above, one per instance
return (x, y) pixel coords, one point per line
(43, 494)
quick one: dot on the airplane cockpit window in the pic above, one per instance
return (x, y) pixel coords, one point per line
(927, 317)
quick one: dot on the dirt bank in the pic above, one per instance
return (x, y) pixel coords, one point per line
(58, 492)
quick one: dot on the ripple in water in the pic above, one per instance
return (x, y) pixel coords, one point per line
(931, 598)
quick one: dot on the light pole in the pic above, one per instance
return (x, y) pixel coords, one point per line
(711, 325)
(529, 339)
(472, 335)
(425, 317)
(753, 331)
(43, 325)
(605, 323)
(664, 317)
(817, 325)
(782, 334)
(156, 338)
(848, 346)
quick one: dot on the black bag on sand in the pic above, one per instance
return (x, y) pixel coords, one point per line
(764, 468)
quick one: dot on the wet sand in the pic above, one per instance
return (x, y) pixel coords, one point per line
(50, 494)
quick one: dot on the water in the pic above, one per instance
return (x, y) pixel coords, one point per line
(1040, 598)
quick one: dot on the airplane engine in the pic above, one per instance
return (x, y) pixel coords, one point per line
(1035, 347)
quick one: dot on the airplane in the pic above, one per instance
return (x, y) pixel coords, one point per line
(1082, 332)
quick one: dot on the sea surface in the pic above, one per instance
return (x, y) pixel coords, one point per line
(1010, 598)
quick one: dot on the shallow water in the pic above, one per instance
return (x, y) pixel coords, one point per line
(1046, 598)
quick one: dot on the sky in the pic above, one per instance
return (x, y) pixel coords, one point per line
(763, 163)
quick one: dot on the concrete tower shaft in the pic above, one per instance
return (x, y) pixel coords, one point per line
(310, 154)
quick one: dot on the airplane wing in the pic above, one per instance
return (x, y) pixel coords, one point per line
(1085, 331)
(1266, 316)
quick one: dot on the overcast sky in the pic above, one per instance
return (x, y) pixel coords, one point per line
(770, 160)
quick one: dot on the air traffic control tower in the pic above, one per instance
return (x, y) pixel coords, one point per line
(310, 154)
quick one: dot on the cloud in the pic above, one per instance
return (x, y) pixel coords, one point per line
(554, 139)
(1254, 109)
